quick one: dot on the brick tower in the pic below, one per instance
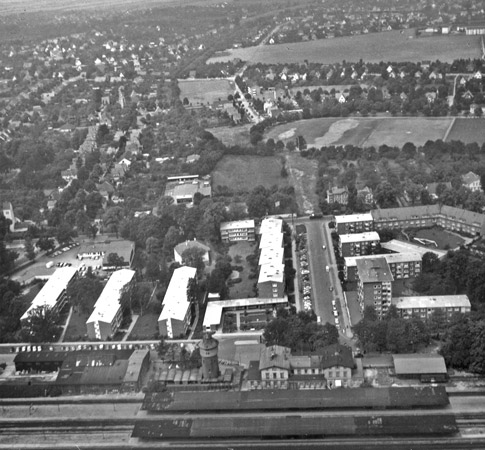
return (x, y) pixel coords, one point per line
(208, 351)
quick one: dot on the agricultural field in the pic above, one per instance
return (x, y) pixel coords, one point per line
(467, 131)
(363, 131)
(205, 92)
(232, 135)
(242, 173)
(375, 47)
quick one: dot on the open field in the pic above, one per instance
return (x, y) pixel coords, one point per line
(467, 131)
(243, 173)
(205, 92)
(375, 47)
(364, 131)
(8, 7)
(232, 135)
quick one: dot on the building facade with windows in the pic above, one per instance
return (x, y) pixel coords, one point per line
(424, 306)
(177, 312)
(358, 244)
(374, 284)
(354, 223)
(338, 195)
(107, 315)
(240, 230)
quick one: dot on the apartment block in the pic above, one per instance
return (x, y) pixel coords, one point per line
(240, 230)
(424, 306)
(358, 244)
(354, 223)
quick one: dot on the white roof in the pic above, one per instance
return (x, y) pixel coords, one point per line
(351, 261)
(271, 240)
(354, 218)
(271, 255)
(406, 247)
(175, 302)
(108, 302)
(359, 237)
(52, 290)
(237, 225)
(432, 301)
(214, 309)
(271, 272)
(271, 225)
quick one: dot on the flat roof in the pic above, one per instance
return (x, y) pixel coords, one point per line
(271, 225)
(108, 302)
(271, 240)
(351, 261)
(432, 301)
(354, 218)
(237, 225)
(271, 255)
(407, 247)
(52, 290)
(419, 364)
(359, 237)
(214, 309)
(175, 302)
(271, 272)
(374, 269)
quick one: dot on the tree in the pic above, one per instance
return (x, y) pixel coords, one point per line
(115, 260)
(84, 292)
(29, 249)
(194, 257)
(64, 233)
(45, 244)
(42, 325)
(324, 336)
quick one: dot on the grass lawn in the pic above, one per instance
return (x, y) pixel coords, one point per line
(146, 327)
(467, 131)
(242, 173)
(372, 47)
(232, 135)
(245, 288)
(205, 92)
(76, 330)
(443, 238)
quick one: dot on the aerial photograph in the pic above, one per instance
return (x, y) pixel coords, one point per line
(242, 224)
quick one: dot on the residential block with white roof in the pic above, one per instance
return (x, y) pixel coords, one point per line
(358, 244)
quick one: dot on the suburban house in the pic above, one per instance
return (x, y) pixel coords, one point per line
(424, 306)
(177, 312)
(338, 195)
(472, 181)
(179, 250)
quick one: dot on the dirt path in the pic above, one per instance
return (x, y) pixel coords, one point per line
(303, 177)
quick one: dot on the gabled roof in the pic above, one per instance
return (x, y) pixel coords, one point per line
(336, 355)
(419, 364)
(275, 356)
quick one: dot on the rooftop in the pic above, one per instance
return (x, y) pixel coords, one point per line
(419, 364)
(351, 261)
(175, 302)
(408, 247)
(432, 301)
(373, 270)
(354, 218)
(271, 272)
(237, 225)
(180, 248)
(359, 237)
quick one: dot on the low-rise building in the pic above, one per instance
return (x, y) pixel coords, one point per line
(428, 368)
(472, 181)
(179, 250)
(108, 310)
(239, 230)
(358, 244)
(177, 312)
(354, 223)
(424, 306)
(184, 187)
(374, 284)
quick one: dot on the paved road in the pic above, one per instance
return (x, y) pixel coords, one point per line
(318, 235)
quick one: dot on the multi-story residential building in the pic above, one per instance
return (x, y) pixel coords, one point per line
(358, 244)
(354, 223)
(401, 265)
(424, 306)
(108, 310)
(278, 368)
(53, 294)
(177, 311)
(338, 195)
(374, 284)
(240, 230)
(448, 217)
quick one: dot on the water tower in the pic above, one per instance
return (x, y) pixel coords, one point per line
(208, 352)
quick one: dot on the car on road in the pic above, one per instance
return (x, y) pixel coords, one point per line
(324, 247)
(334, 303)
(327, 269)
(331, 288)
(337, 321)
(335, 313)
(316, 216)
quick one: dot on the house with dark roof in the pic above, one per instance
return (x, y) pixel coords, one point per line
(425, 367)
